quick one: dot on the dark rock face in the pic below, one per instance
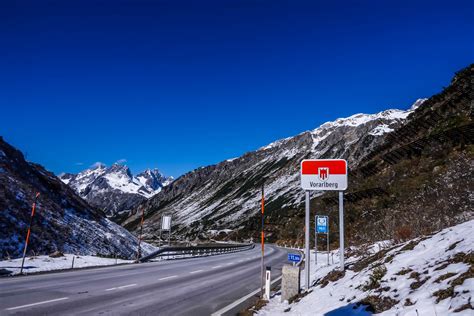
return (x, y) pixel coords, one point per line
(63, 221)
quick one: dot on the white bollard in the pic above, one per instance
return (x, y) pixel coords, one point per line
(267, 282)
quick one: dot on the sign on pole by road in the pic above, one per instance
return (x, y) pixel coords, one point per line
(294, 257)
(322, 224)
(322, 227)
(323, 175)
(166, 222)
(166, 226)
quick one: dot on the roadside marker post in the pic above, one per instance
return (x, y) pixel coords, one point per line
(33, 208)
(268, 274)
(323, 175)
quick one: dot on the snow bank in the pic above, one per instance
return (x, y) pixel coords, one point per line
(425, 276)
(46, 263)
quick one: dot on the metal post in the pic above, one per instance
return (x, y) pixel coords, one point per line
(341, 229)
(328, 242)
(29, 231)
(315, 246)
(306, 240)
(140, 237)
(169, 236)
(161, 229)
(262, 263)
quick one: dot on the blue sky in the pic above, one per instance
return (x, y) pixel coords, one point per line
(177, 85)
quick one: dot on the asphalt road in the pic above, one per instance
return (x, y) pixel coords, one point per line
(197, 286)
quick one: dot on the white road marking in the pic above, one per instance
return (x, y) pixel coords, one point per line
(39, 303)
(242, 299)
(120, 287)
(168, 277)
(216, 267)
(197, 271)
(229, 263)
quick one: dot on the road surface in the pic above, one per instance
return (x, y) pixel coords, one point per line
(195, 286)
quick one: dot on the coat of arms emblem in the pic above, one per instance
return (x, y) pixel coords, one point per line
(323, 173)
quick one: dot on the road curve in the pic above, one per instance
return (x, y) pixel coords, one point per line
(198, 286)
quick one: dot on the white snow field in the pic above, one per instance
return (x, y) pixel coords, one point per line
(46, 263)
(425, 276)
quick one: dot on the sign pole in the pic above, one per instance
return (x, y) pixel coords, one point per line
(328, 246)
(315, 245)
(306, 240)
(341, 229)
(328, 241)
(262, 276)
(140, 237)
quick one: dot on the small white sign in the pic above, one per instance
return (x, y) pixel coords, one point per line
(166, 222)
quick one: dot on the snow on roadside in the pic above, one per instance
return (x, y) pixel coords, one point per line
(426, 276)
(46, 263)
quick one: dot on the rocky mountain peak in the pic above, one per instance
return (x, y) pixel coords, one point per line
(114, 189)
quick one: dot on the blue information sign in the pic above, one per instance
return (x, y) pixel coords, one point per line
(322, 225)
(294, 257)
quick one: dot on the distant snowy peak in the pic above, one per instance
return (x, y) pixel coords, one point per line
(117, 177)
(153, 179)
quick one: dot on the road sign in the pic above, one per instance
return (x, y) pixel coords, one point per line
(322, 225)
(166, 222)
(324, 174)
(293, 257)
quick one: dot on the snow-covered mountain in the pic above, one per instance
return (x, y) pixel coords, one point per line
(114, 189)
(63, 221)
(226, 195)
(399, 162)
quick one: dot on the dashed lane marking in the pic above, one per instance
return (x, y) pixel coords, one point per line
(197, 271)
(120, 287)
(38, 303)
(168, 277)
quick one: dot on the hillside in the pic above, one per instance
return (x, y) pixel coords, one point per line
(430, 275)
(63, 221)
(432, 146)
(420, 179)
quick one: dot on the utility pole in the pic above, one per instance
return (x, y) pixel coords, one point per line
(263, 243)
(140, 237)
(29, 231)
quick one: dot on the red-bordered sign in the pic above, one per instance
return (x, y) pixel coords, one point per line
(324, 174)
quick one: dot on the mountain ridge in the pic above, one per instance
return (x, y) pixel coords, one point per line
(63, 221)
(316, 143)
(115, 189)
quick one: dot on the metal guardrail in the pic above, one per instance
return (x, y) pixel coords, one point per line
(197, 251)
